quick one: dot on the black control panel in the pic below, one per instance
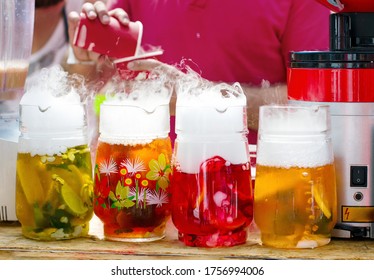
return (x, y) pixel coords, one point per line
(359, 176)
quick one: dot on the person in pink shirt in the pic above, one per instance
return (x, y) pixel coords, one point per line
(232, 41)
(228, 41)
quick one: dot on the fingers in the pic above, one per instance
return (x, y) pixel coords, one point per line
(150, 64)
(89, 10)
(105, 67)
(73, 21)
(79, 53)
(121, 15)
(98, 9)
(144, 64)
(94, 10)
(102, 12)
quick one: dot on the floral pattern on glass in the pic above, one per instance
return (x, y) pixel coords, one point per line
(131, 194)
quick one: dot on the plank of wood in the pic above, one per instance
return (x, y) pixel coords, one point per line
(14, 246)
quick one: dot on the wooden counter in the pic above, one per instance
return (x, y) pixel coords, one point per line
(14, 246)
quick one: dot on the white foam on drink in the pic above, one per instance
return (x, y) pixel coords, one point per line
(294, 154)
(211, 121)
(135, 110)
(294, 138)
(52, 108)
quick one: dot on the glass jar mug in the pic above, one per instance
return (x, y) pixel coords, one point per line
(54, 185)
(131, 193)
(211, 179)
(295, 194)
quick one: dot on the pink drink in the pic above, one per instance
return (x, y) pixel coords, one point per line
(214, 207)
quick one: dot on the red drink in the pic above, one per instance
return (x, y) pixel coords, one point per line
(131, 194)
(214, 207)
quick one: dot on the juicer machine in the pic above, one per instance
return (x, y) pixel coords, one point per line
(343, 78)
(16, 33)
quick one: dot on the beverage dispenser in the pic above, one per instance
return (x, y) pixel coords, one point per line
(343, 78)
(16, 31)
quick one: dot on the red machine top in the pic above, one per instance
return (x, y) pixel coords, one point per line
(349, 5)
(331, 85)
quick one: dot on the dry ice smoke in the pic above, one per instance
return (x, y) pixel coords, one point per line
(192, 89)
(54, 82)
(147, 94)
(135, 111)
(52, 106)
(157, 86)
(221, 105)
(210, 121)
(147, 91)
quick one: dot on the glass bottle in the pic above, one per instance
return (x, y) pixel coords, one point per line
(16, 33)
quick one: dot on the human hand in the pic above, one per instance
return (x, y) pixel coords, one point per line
(154, 65)
(93, 11)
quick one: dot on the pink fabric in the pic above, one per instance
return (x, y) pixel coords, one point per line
(244, 41)
(232, 40)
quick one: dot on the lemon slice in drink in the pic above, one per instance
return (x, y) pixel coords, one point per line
(321, 204)
(73, 202)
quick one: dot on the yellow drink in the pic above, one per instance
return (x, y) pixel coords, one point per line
(295, 207)
(54, 194)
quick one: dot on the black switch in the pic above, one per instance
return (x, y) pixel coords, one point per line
(359, 176)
